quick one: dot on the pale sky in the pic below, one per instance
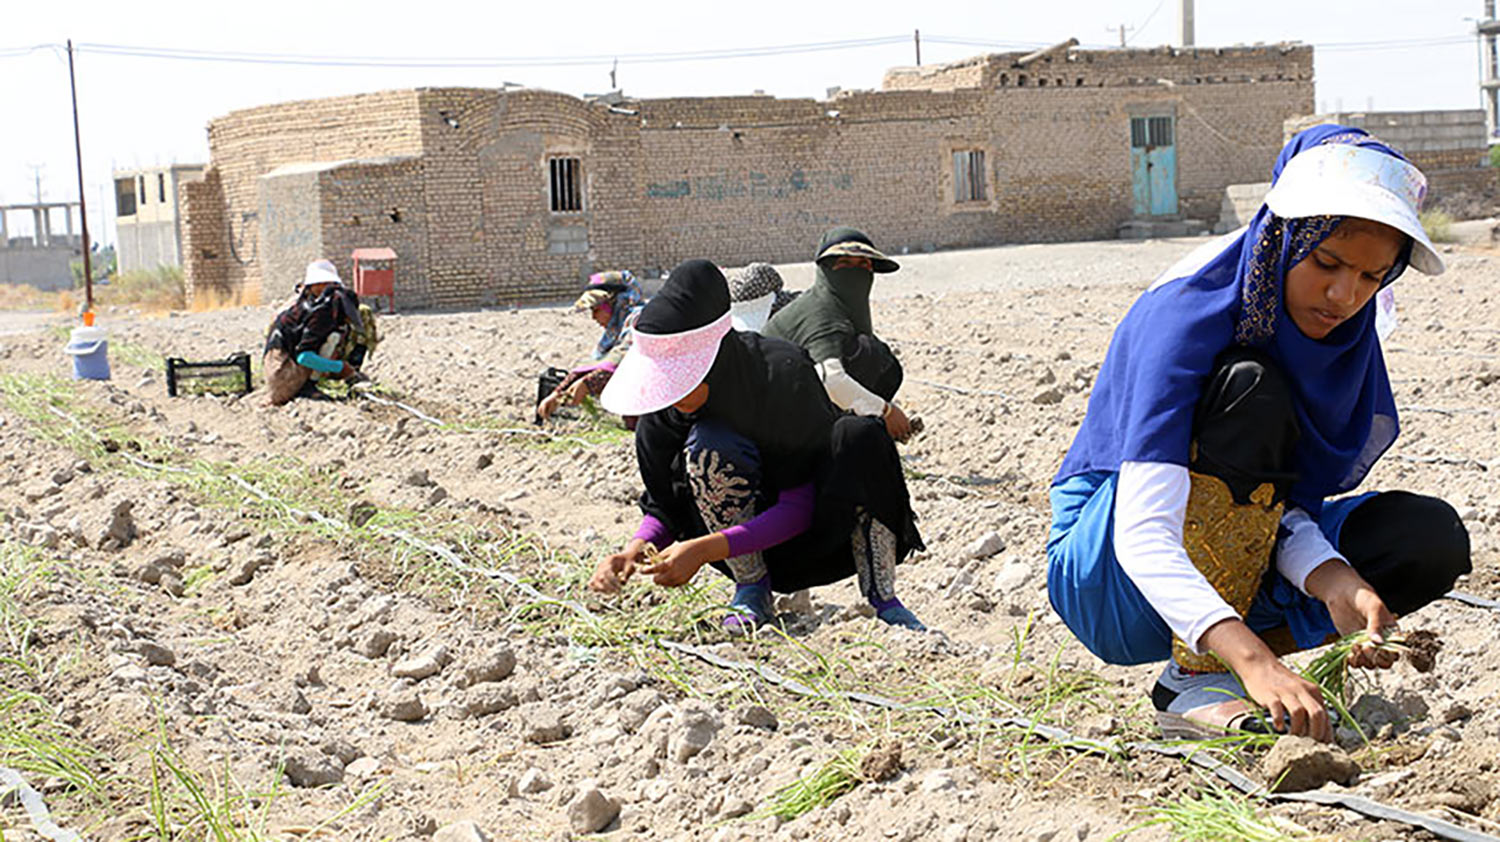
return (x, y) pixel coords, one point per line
(140, 111)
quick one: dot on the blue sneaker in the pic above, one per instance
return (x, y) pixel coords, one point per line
(896, 614)
(751, 606)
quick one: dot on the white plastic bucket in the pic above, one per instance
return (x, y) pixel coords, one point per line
(89, 348)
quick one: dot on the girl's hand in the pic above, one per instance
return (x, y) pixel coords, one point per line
(1354, 606)
(614, 571)
(676, 565)
(578, 391)
(1289, 699)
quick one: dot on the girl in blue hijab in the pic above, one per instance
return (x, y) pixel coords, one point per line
(1192, 519)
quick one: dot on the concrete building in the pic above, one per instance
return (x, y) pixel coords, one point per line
(148, 216)
(44, 258)
(507, 196)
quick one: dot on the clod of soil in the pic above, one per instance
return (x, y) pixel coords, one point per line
(1424, 647)
(1295, 764)
(882, 764)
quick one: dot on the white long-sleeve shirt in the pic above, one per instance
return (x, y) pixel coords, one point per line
(1150, 506)
(846, 392)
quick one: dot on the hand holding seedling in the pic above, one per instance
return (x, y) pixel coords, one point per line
(1354, 606)
(1288, 698)
(615, 570)
(676, 565)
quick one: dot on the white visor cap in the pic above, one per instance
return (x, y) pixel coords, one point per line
(1339, 179)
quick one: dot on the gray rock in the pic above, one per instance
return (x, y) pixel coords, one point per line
(1098, 726)
(422, 666)
(418, 478)
(465, 831)
(1047, 397)
(496, 665)
(119, 530)
(985, 546)
(290, 700)
(1011, 578)
(1374, 712)
(437, 495)
(404, 706)
(756, 717)
(376, 643)
(1295, 764)
(246, 569)
(344, 750)
(693, 727)
(487, 699)
(1454, 711)
(156, 655)
(542, 723)
(533, 781)
(591, 811)
(637, 705)
(309, 769)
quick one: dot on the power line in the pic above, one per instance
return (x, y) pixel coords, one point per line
(483, 62)
(1148, 19)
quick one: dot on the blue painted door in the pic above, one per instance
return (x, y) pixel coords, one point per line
(1153, 163)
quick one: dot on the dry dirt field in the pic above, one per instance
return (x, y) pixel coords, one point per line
(341, 620)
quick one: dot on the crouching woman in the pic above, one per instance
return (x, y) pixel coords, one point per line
(1191, 519)
(747, 465)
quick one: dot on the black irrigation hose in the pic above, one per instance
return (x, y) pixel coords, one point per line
(1190, 754)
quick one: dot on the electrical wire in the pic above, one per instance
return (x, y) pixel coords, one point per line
(657, 57)
(1148, 20)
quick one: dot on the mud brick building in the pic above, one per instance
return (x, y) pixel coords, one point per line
(512, 196)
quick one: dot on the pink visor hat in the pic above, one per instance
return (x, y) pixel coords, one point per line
(662, 368)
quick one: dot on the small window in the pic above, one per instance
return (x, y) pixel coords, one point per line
(161, 187)
(125, 197)
(140, 189)
(566, 193)
(1150, 131)
(968, 176)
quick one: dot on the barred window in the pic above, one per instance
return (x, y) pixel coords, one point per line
(1150, 131)
(566, 185)
(968, 176)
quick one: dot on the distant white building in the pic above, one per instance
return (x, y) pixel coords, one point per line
(148, 215)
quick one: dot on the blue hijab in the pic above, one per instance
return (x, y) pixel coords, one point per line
(1141, 409)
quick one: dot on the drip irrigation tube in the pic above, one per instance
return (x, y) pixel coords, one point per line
(12, 784)
(1191, 754)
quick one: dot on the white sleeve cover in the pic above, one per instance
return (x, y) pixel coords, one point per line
(1150, 505)
(1303, 549)
(846, 392)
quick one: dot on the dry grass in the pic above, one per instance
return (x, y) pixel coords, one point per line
(152, 293)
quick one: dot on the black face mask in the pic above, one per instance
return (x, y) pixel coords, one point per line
(850, 286)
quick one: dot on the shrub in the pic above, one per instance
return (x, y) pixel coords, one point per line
(1439, 225)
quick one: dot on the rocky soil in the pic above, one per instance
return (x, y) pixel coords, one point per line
(339, 620)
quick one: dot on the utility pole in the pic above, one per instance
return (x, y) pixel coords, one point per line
(83, 211)
(1123, 29)
(916, 40)
(36, 170)
(1185, 23)
(612, 69)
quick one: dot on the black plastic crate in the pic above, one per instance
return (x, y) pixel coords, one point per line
(227, 376)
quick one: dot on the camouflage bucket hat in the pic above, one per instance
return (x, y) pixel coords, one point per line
(848, 242)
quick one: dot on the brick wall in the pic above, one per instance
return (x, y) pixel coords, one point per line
(244, 145)
(205, 235)
(372, 204)
(464, 196)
